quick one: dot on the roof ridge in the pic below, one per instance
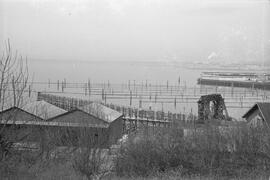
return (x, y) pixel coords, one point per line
(73, 110)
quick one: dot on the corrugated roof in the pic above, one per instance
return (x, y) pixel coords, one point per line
(43, 109)
(101, 111)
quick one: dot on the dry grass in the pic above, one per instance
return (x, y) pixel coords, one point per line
(63, 170)
(211, 153)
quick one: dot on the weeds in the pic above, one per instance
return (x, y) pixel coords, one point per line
(211, 150)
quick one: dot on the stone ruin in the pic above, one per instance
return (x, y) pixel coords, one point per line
(211, 107)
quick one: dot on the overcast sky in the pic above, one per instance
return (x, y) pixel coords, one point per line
(137, 29)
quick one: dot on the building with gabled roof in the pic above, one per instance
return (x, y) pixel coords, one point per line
(110, 122)
(80, 117)
(258, 114)
(101, 125)
(43, 109)
(15, 114)
(26, 123)
(112, 117)
(34, 111)
(101, 111)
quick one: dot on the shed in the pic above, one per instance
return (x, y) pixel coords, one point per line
(37, 110)
(56, 133)
(20, 124)
(111, 116)
(258, 114)
(101, 124)
(14, 114)
(89, 127)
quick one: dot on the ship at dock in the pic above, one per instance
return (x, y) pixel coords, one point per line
(234, 79)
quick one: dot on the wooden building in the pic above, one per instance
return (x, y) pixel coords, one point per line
(49, 133)
(112, 117)
(83, 129)
(39, 122)
(37, 110)
(258, 115)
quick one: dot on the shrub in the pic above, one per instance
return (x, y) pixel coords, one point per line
(91, 163)
(221, 151)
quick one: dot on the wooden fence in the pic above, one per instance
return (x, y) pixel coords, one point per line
(69, 103)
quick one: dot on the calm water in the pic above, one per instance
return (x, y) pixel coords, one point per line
(154, 73)
(115, 72)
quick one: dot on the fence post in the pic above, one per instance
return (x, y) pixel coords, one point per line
(130, 102)
(58, 85)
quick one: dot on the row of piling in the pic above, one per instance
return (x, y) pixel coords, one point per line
(69, 103)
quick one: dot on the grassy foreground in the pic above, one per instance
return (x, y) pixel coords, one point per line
(65, 171)
(205, 153)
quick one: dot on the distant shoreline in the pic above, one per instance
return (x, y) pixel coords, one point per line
(232, 67)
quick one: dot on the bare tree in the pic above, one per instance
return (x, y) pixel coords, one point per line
(14, 77)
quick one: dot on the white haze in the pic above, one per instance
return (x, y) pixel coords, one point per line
(137, 30)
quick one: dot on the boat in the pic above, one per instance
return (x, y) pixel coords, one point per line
(234, 79)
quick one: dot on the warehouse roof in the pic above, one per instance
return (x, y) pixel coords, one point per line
(80, 117)
(101, 111)
(43, 109)
(14, 114)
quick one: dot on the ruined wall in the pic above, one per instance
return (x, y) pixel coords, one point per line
(213, 111)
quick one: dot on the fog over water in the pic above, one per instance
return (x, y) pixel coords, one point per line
(145, 30)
